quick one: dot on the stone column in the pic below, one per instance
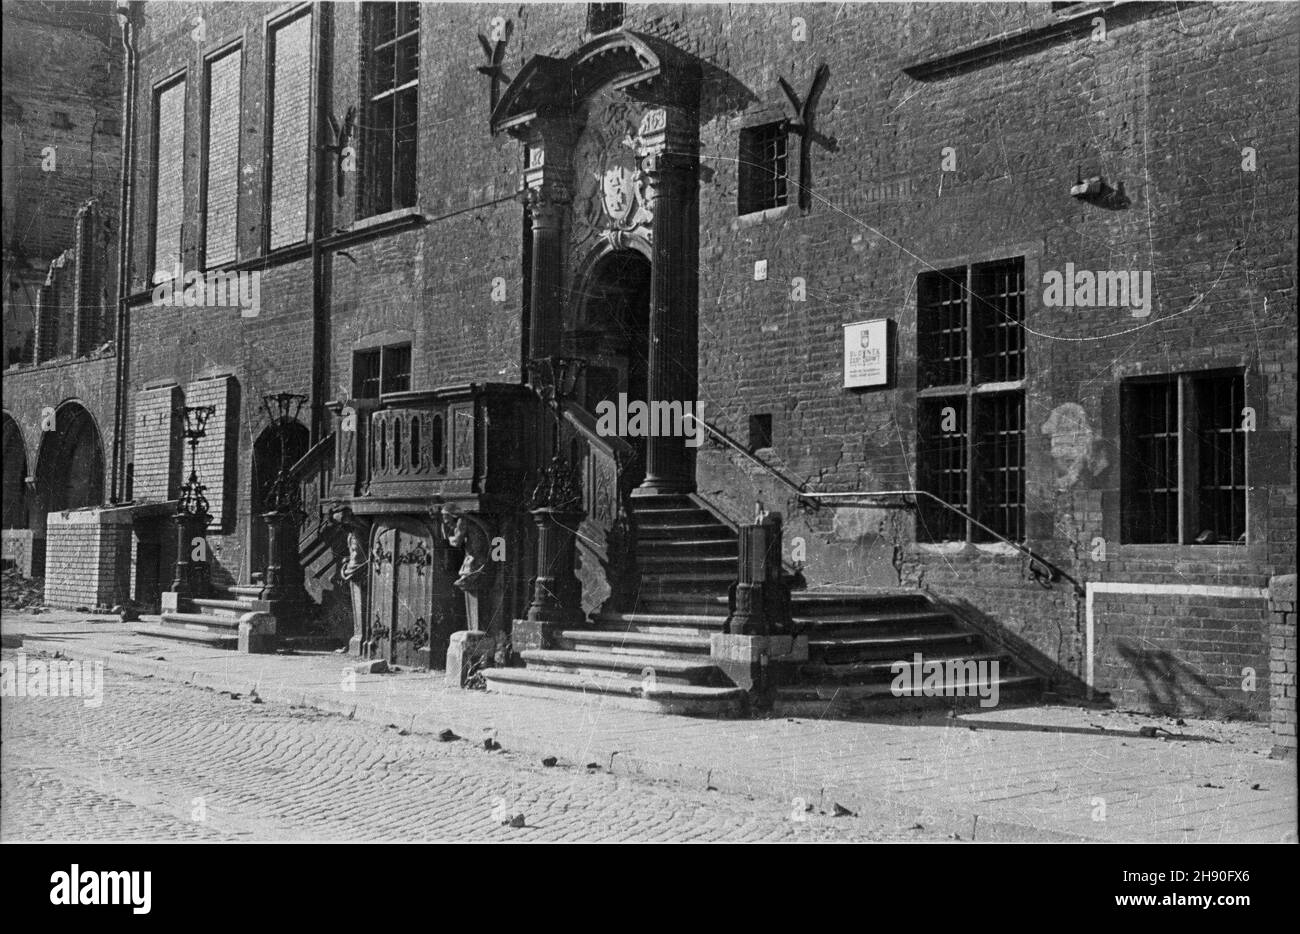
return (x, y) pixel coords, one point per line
(670, 160)
(548, 192)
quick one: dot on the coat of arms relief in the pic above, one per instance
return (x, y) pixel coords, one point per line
(614, 197)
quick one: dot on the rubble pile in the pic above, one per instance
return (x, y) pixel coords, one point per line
(18, 592)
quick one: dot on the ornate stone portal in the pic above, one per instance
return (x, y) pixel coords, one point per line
(612, 137)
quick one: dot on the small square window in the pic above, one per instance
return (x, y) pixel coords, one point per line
(381, 370)
(604, 17)
(762, 171)
(59, 120)
(760, 432)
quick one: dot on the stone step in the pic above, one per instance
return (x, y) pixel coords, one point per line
(688, 670)
(838, 699)
(632, 641)
(224, 639)
(701, 531)
(689, 546)
(870, 620)
(688, 565)
(236, 591)
(201, 620)
(225, 607)
(888, 639)
(865, 672)
(661, 621)
(626, 693)
(709, 578)
(843, 601)
(682, 603)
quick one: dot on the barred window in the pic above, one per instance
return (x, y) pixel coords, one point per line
(1184, 452)
(289, 154)
(221, 159)
(389, 126)
(970, 350)
(380, 370)
(169, 179)
(762, 169)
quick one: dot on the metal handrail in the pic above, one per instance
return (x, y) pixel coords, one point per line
(814, 499)
(727, 440)
(1023, 549)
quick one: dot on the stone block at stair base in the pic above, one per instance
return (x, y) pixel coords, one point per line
(464, 650)
(257, 633)
(171, 602)
(758, 664)
(528, 634)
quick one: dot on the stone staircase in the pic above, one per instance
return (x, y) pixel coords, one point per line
(656, 655)
(212, 620)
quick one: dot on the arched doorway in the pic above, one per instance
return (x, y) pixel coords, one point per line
(14, 476)
(69, 472)
(280, 445)
(614, 327)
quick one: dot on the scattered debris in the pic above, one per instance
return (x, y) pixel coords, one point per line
(516, 821)
(21, 593)
(1255, 787)
(842, 811)
(1211, 785)
(550, 761)
(232, 695)
(1180, 722)
(490, 744)
(403, 732)
(447, 736)
(917, 827)
(593, 765)
(376, 666)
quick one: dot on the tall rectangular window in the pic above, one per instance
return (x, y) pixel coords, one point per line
(970, 350)
(169, 179)
(1184, 453)
(381, 370)
(390, 123)
(762, 169)
(221, 162)
(289, 152)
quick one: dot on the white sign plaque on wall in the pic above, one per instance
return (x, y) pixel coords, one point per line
(866, 354)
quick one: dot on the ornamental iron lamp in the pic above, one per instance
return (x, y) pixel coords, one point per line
(283, 577)
(192, 515)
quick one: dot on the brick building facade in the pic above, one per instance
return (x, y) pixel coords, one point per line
(696, 201)
(62, 175)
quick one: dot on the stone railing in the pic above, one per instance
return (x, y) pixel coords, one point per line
(602, 464)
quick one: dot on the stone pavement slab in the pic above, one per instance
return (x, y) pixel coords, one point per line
(1009, 773)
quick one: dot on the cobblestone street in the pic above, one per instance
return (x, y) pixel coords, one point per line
(162, 761)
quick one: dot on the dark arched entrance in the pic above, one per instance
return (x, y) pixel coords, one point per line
(14, 476)
(614, 330)
(69, 472)
(280, 445)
